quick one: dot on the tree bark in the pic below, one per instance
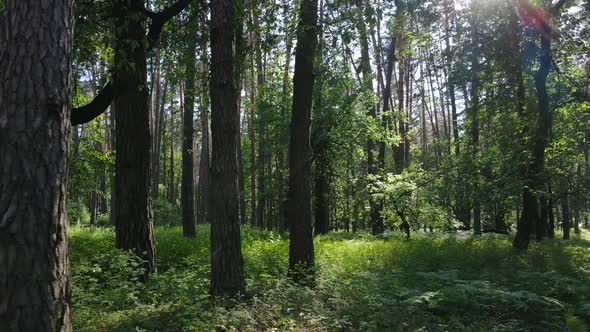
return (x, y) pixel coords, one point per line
(301, 251)
(133, 217)
(35, 106)
(227, 266)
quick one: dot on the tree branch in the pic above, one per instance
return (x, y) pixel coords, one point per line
(557, 7)
(96, 107)
(102, 101)
(160, 18)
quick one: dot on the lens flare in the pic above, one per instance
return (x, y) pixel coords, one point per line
(533, 15)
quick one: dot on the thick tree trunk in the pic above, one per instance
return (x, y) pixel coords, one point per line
(35, 99)
(187, 194)
(298, 212)
(133, 217)
(227, 266)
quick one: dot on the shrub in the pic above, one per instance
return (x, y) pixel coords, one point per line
(166, 214)
(78, 213)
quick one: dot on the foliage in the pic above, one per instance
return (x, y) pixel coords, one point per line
(364, 283)
(406, 202)
(165, 213)
(78, 213)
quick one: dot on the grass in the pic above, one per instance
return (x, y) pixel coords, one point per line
(430, 283)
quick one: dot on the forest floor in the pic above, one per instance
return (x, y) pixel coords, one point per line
(430, 283)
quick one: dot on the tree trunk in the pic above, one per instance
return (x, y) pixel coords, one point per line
(534, 173)
(158, 141)
(551, 215)
(35, 99)
(252, 139)
(187, 195)
(260, 105)
(205, 162)
(133, 217)
(298, 211)
(227, 265)
(365, 67)
(566, 222)
(451, 83)
(287, 13)
(320, 139)
(474, 118)
(171, 181)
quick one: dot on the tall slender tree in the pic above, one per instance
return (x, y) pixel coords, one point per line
(540, 132)
(301, 251)
(187, 194)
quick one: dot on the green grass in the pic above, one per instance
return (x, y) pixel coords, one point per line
(364, 283)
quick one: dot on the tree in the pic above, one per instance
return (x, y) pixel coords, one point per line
(540, 136)
(227, 265)
(35, 99)
(132, 208)
(131, 211)
(187, 194)
(301, 252)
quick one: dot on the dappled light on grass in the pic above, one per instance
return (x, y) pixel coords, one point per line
(364, 283)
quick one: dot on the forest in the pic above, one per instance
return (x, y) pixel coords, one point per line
(294, 165)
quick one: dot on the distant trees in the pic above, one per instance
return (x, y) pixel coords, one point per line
(35, 105)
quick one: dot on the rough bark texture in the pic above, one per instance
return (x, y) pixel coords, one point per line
(227, 265)
(187, 195)
(35, 92)
(301, 251)
(133, 211)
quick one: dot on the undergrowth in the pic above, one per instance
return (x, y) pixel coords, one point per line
(429, 283)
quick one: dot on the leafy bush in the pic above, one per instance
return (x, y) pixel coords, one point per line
(435, 283)
(103, 220)
(78, 213)
(166, 213)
